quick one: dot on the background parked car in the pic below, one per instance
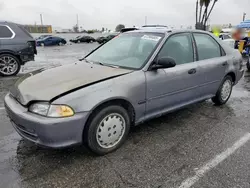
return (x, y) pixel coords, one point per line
(230, 42)
(102, 40)
(79, 39)
(50, 41)
(224, 36)
(17, 47)
(43, 36)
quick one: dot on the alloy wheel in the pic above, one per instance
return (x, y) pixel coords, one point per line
(8, 65)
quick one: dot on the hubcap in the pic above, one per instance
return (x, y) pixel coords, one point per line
(110, 131)
(226, 90)
(8, 65)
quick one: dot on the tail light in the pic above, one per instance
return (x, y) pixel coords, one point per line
(32, 44)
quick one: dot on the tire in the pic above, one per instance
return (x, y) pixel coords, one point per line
(96, 128)
(14, 65)
(248, 64)
(227, 86)
(60, 44)
(42, 44)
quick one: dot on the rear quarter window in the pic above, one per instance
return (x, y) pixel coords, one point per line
(25, 31)
(5, 32)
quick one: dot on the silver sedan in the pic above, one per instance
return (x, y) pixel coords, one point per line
(136, 76)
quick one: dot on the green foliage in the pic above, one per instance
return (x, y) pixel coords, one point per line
(119, 27)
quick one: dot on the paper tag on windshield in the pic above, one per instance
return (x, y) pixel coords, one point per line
(151, 37)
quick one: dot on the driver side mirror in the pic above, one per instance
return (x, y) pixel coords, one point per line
(163, 63)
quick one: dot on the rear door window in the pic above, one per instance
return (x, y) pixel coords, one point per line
(5, 32)
(207, 47)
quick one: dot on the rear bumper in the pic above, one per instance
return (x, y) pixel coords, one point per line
(27, 54)
(48, 132)
(25, 58)
(239, 76)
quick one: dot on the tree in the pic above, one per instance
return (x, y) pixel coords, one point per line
(201, 21)
(119, 27)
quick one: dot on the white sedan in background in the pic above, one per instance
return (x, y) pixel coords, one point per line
(230, 42)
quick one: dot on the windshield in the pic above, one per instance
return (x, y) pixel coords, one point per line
(128, 50)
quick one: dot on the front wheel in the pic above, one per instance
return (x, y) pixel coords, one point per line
(9, 65)
(108, 129)
(224, 92)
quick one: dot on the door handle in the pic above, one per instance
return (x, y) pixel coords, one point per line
(224, 63)
(192, 71)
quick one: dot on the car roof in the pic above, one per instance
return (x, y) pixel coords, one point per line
(165, 30)
(4, 22)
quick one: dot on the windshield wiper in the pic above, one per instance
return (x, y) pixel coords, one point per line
(108, 65)
(84, 59)
(99, 63)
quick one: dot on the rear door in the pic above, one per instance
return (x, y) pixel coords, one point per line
(212, 63)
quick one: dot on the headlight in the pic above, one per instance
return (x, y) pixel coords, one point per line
(48, 110)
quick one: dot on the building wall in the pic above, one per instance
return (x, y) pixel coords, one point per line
(38, 28)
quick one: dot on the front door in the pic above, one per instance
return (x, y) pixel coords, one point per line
(171, 88)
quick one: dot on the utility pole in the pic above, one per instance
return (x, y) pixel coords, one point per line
(145, 20)
(244, 16)
(77, 23)
(41, 18)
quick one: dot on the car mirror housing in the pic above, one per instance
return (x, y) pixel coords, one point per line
(164, 62)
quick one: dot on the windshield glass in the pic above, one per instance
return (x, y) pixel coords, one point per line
(128, 50)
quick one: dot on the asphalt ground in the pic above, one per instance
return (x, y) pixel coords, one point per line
(201, 146)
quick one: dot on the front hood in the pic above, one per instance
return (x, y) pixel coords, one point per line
(44, 85)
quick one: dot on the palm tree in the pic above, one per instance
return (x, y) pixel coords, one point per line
(206, 3)
(201, 7)
(206, 14)
(215, 1)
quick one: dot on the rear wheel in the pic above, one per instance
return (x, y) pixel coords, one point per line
(224, 92)
(60, 44)
(9, 65)
(107, 130)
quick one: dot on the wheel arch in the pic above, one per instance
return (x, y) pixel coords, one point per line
(9, 52)
(127, 105)
(233, 76)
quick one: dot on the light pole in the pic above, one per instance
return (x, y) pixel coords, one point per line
(41, 18)
(244, 16)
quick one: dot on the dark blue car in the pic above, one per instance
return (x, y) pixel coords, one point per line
(50, 41)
